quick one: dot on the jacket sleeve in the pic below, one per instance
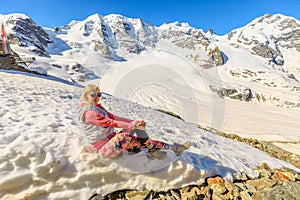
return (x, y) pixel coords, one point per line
(115, 117)
(92, 117)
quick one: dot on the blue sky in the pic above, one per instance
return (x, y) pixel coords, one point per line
(221, 16)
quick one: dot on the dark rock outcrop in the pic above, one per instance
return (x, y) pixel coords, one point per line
(9, 63)
(27, 33)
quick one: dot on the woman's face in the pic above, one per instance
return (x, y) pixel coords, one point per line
(93, 97)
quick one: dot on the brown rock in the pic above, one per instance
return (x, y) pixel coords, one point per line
(218, 189)
(137, 194)
(264, 173)
(196, 193)
(205, 194)
(229, 186)
(236, 193)
(196, 190)
(244, 177)
(251, 188)
(262, 183)
(226, 196)
(245, 195)
(265, 166)
(215, 180)
(284, 176)
(240, 186)
(217, 197)
(185, 189)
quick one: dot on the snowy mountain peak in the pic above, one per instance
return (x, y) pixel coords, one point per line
(269, 37)
(22, 30)
(277, 19)
(180, 24)
(272, 25)
(12, 17)
(87, 26)
(94, 17)
(184, 27)
(117, 17)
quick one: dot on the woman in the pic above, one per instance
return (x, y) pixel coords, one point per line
(98, 125)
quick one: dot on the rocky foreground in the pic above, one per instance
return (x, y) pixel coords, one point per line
(275, 184)
(272, 184)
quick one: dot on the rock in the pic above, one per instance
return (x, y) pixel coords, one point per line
(229, 186)
(264, 166)
(215, 54)
(217, 197)
(196, 190)
(215, 180)
(137, 195)
(29, 34)
(264, 174)
(260, 184)
(228, 195)
(204, 193)
(207, 193)
(218, 189)
(175, 195)
(9, 62)
(111, 196)
(217, 184)
(236, 193)
(284, 176)
(241, 94)
(195, 193)
(245, 195)
(251, 188)
(274, 55)
(293, 189)
(244, 177)
(288, 191)
(278, 186)
(241, 186)
(164, 197)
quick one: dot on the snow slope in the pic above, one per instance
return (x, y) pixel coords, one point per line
(44, 154)
(164, 80)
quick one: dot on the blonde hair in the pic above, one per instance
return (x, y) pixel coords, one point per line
(86, 92)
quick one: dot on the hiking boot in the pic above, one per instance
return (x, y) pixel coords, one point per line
(159, 155)
(133, 150)
(178, 149)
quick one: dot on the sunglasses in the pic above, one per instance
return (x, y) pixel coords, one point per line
(99, 94)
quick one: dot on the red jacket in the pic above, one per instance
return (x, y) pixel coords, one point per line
(101, 117)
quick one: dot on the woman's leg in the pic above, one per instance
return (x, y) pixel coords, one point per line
(178, 149)
(123, 141)
(113, 147)
(117, 144)
(154, 145)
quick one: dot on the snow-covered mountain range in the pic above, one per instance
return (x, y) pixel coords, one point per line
(176, 67)
(263, 52)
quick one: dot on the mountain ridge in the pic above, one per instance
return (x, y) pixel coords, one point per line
(261, 53)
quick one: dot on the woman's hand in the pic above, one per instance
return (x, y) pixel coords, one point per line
(139, 124)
